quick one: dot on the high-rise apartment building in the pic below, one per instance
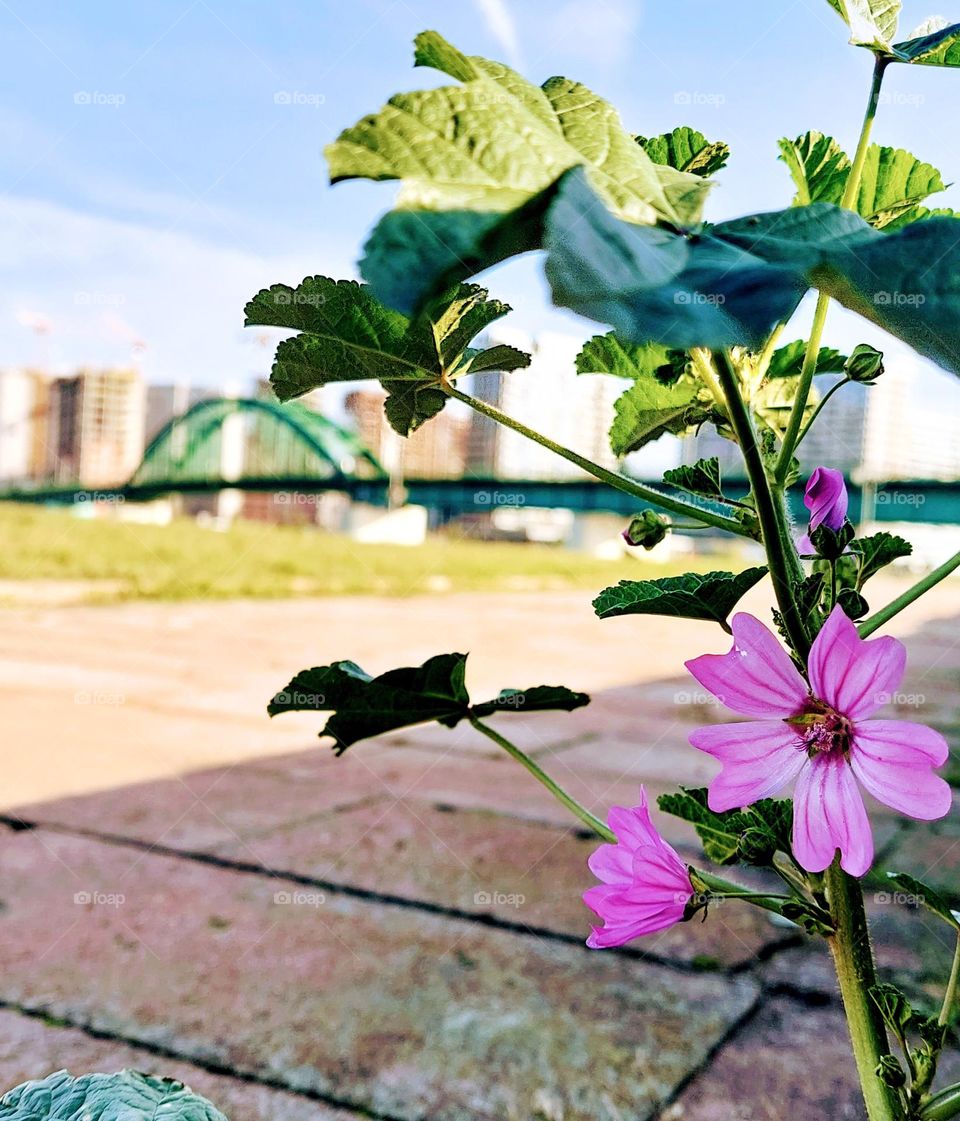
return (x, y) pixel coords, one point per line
(95, 427)
(24, 406)
(574, 409)
(436, 450)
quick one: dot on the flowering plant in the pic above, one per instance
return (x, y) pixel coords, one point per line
(492, 166)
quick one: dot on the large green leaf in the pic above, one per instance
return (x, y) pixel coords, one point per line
(787, 361)
(934, 43)
(872, 23)
(125, 1096)
(702, 477)
(754, 833)
(652, 285)
(695, 595)
(365, 706)
(907, 282)
(607, 354)
(346, 334)
(687, 150)
(921, 895)
(479, 160)
(876, 552)
(892, 185)
(649, 408)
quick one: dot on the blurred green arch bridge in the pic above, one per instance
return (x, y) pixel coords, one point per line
(253, 444)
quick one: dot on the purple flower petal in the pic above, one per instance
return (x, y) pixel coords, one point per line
(853, 675)
(829, 814)
(894, 761)
(756, 677)
(758, 758)
(826, 498)
(645, 885)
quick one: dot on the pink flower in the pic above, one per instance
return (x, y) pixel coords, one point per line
(820, 736)
(646, 886)
(826, 499)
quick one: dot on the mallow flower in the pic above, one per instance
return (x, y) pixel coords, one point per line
(821, 735)
(826, 498)
(645, 885)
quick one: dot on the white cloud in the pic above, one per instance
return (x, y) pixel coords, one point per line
(104, 284)
(502, 26)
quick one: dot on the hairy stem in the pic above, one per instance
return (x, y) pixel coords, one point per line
(782, 557)
(541, 775)
(950, 996)
(915, 591)
(853, 960)
(613, 478)
(792, 435)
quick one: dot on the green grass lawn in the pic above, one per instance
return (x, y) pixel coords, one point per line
(186, 561)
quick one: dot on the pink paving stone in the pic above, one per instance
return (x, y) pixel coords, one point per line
(379, 1007)
(487, 863)
(30, 1048)
(207, 807)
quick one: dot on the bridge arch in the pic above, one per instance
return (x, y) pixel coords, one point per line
(238, 440)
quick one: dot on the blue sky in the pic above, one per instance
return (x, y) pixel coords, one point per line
(162, 161)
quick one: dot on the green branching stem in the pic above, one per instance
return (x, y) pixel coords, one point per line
(853, 960)
(612, 478)
(792, 435)
(541, 776)
(950, 996)
(942, 1106)
(816, 412)
(914, 592)
(782, 559)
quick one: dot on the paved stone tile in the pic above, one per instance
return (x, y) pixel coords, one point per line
(30, 1048)
(381, 1007)
(931, 852)
(789, 1061)
(203, 808)
(488, 863)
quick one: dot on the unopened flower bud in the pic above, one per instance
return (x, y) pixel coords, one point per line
(864, 365)
(647, 528)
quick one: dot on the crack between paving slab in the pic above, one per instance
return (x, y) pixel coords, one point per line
(210, 1066)
(242, 867)
(735, 1028)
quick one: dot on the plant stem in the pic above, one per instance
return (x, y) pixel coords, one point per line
(816, 412)
(725, 889)
(915, 591)
(792, 435)
(541, 775)
(853, 960)
(942, 1106)
(950, 996)
(613, 478)
(782, 557)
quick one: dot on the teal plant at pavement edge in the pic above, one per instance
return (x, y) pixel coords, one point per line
(491, 166)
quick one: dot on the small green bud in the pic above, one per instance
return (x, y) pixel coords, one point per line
(853, 604)
(830, 544)
(890, 1072)
(648, 528)
(864, 365)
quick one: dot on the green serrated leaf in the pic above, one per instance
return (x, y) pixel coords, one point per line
(872, 23)
(787, 361)
(348, 335)
(125, 1096)
(702, 477)
(648, 409)
(652, 285)
(906, 282)
(365, 706)
(923, 896)
(541, 698)
(478, 162)
(709, 595)
(876, 552)
(931, 46)
(687, 150)
(607, 354)
(893, 182)
(717, 832)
